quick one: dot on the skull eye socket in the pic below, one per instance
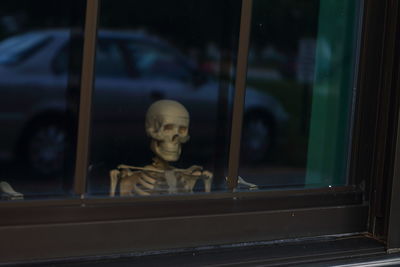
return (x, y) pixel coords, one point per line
(182, 130)
(168, 127)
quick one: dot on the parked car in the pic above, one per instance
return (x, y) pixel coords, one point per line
(38, 101)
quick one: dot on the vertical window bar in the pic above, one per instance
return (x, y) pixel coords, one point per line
(89, 48)
(240, 90)
(393, 242)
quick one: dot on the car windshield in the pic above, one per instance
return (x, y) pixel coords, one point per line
(18, 48)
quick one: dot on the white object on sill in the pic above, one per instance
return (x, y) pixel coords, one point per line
(7, 192)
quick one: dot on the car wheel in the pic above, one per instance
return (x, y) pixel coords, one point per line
(48, 147)
(257, 138)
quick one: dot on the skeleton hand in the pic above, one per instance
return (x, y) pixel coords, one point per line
(125, 170)
(198, 173)
(194, 168)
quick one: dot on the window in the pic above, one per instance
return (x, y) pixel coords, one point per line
(329, 174)
(39, 107)
(165, 65)
(110, 62)
(298, 105)
(296, 131)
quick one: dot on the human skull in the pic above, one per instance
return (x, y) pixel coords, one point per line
(167, 123)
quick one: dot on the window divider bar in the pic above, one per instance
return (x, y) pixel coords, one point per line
(240, 90)
(394, 218)
(89, 51)
(393, 242)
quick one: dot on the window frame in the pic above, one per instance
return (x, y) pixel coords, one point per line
(99, 226)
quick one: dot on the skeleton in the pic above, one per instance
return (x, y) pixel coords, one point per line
(8, 193)
(167, 124)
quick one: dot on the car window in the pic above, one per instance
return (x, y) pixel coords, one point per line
(157, 63)
(16, 49)
(109, 60)
(60, 63)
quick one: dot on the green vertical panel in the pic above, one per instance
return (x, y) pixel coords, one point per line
(332, 93)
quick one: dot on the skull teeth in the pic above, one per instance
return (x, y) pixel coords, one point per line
(169, 151)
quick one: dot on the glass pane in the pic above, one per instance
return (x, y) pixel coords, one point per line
(298, 109)
(40, 55)
(182, 51)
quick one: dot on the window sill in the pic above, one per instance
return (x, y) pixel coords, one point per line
(321, 251)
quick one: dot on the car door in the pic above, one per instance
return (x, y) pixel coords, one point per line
(26, 85)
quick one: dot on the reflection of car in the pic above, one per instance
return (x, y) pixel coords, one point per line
(132, 70)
